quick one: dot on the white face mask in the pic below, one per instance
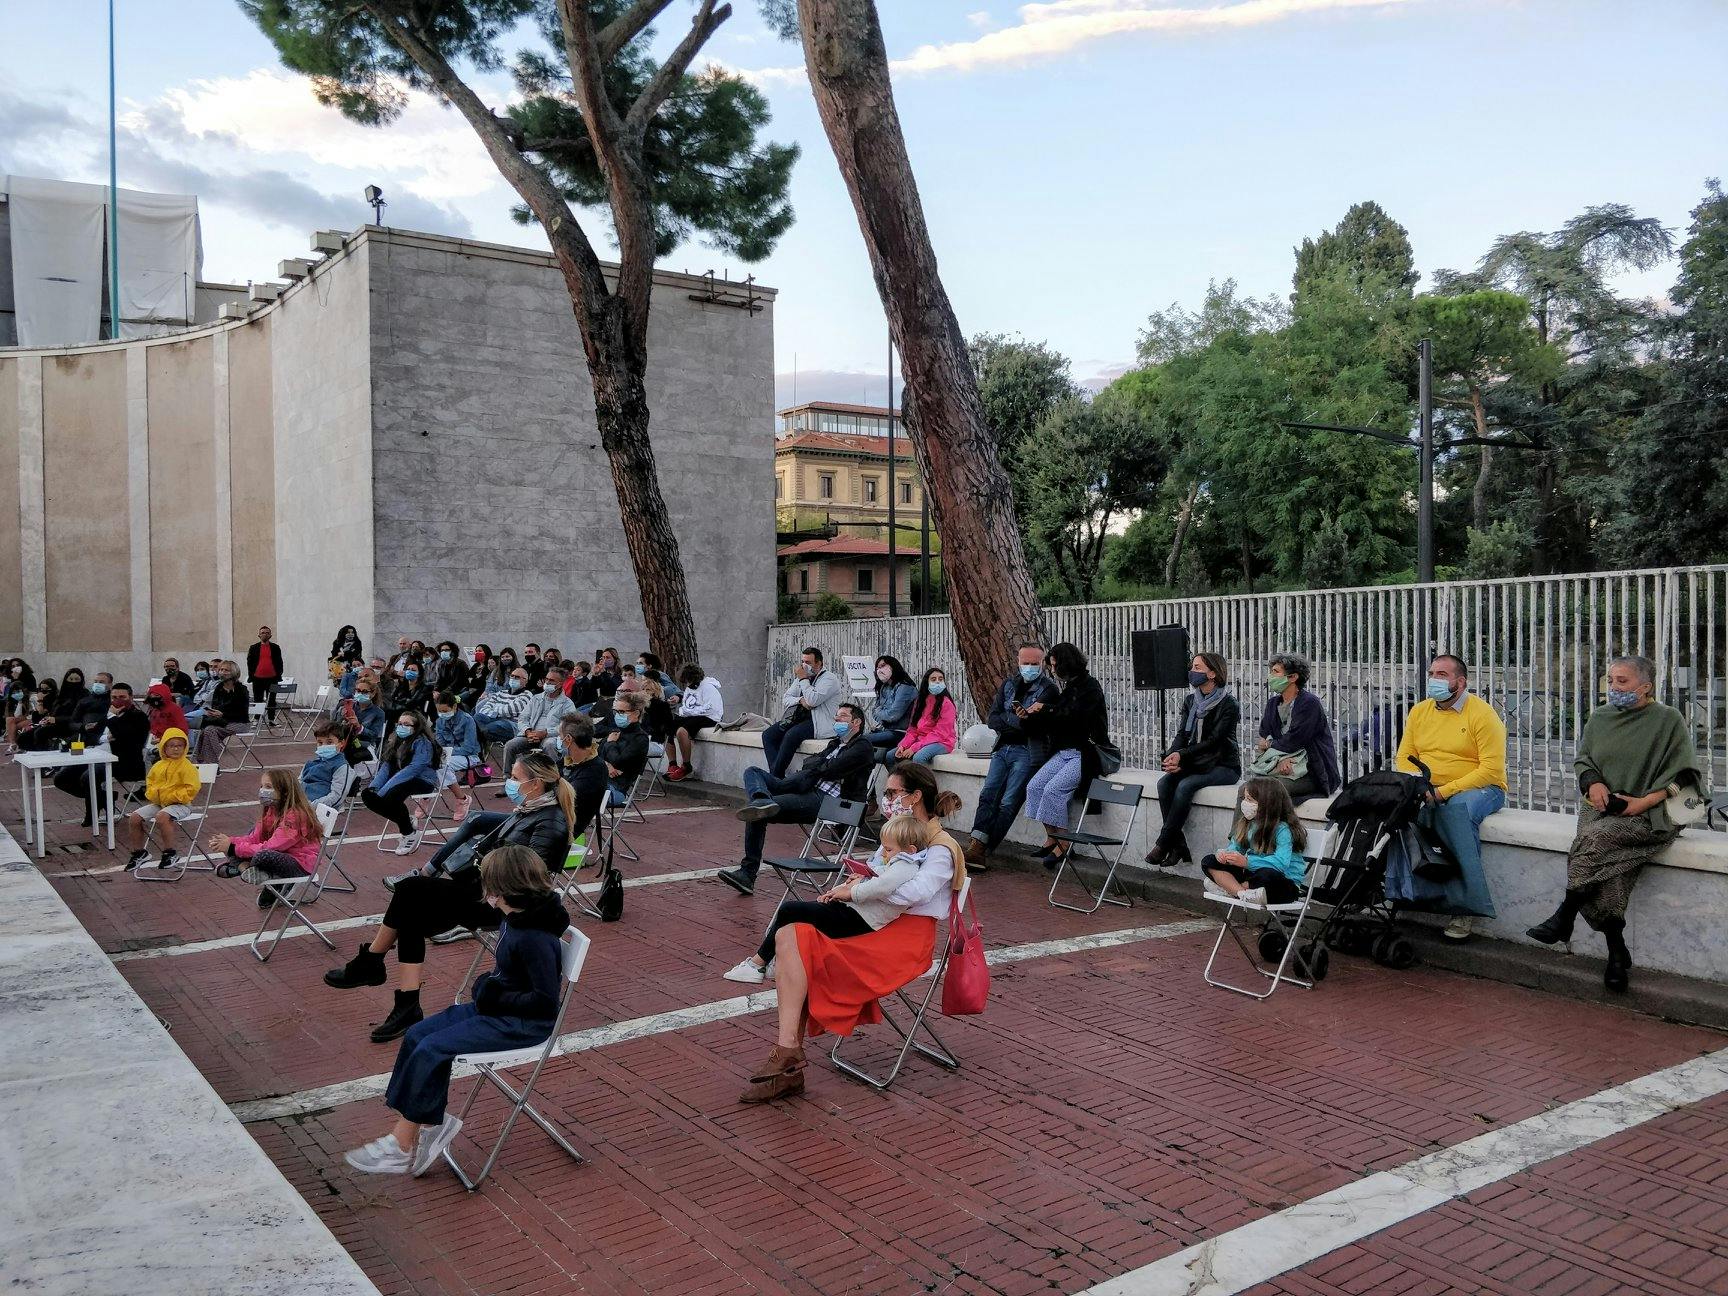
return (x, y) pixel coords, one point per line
(1250, 809)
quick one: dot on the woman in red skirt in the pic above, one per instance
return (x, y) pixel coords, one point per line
(832, 983)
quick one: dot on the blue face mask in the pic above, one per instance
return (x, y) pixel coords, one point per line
(1622, 700)
(513, 790)
(203, 675)
(362, 698)
(410, 674)
(404, 731)
(515, 686)
(326, 751)
(1197, 679)
(1030, 673)
(937, 688)
(443, 656)
(1439, 689)
(445, 715)
(622, 719)
(98, 688)
(841, 730)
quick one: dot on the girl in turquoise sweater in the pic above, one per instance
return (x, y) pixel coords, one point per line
(1262, 862)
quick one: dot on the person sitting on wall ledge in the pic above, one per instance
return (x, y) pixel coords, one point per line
(841, 769)
(1076, 725)
(931, 726)
(891, 708)
(1634, 758)
(700, 707)
(1295, 736)
(1015, 759)
(810, 701)
(1204, 753)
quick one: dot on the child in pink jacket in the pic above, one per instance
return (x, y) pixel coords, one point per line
(932, 723)
(286, 840)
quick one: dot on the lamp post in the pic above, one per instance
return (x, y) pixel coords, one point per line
(113, 192)
(893, 490)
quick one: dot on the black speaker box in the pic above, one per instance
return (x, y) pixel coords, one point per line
(1161, 657)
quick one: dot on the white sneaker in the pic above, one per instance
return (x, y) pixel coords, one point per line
(1253, 896)
(432, 1144)
(748, 973)
(380, 1156)
(1460, 928)
(453, 935)
(1209, 887)
(409, 844)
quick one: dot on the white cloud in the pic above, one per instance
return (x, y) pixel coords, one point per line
(981, 19)
(1058, 27)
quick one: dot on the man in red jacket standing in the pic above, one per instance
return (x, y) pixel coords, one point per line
(264, 669)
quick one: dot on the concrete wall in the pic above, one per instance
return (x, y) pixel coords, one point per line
(87, 503)
(181, 436)
(496, 518)
(11, 511)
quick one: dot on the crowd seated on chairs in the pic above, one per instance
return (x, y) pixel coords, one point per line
(107, 718)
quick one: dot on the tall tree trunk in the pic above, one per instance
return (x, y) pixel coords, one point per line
(1479, 493)
(1247, 563)
(994, 599)
(1183, 519)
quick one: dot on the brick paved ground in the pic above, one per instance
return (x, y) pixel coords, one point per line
(1112, 1108)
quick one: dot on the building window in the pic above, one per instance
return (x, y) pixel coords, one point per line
(866, 580)
(803, 580)
(871, 490)
(779, 485)
(905, 492)
(825, 485)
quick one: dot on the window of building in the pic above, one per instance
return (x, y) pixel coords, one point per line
(803, 580)
(866, 580)
(871, 490)
(825, 485)
(905, 492)
(779, 485)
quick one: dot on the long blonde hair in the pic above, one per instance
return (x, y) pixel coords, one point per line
(542, 769)
(291, 801)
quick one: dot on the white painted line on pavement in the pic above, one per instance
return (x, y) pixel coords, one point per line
(594, 1037)
(1255, 1253)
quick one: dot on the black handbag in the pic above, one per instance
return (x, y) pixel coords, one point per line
(469, 854)
(610, 902)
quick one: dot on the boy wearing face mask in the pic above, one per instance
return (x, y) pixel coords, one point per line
(325, 776)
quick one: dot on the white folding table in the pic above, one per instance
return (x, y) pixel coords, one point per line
(31, 765)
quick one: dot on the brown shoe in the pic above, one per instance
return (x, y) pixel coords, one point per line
(974, 852)
(781, 1076)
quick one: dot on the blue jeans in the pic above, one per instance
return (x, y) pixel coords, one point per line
(889, 738)
(924, 755)
(1176, 794)
(795, 808)
(495, 728)
(475, 825)
(420, 1080)
(780, 743)
(1003, 793)
(1458, 821)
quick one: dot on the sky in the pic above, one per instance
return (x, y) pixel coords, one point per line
(1081, 162)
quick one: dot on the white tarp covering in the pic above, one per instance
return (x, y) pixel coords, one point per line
(57, 232)
(160, 256)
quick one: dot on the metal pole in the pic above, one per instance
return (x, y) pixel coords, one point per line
(893, 494)
(113, 193)
(1425, 496)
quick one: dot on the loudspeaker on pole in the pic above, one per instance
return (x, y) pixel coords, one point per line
(1161, 657)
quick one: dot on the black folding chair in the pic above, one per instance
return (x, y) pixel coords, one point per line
(830, 840)
(1106, 793)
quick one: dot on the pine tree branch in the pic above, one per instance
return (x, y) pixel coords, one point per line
(627, 26)
(665, 80)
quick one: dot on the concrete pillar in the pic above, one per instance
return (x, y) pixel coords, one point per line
(223, 505)
(138, 494)
(32, 515)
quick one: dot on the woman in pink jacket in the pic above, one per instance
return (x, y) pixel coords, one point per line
(931, 724)
(285, 842)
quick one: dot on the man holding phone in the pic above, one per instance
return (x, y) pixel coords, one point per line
(1016, 758)
(810, 701)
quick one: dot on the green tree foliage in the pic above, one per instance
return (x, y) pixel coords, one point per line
(1022, 383)
(828, 606)
(1369, 249)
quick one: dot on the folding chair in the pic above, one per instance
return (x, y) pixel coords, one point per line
(575, 950)
(247, 736)
(1277, 939)
(579, 856)
(940, 1054)
(613, 816)
(1108, 793)
(327, 817)
(281, 702)
(290, 894)
(830, 839)
(181, 866)
(423, 809)
(653, 772)
(310, 716)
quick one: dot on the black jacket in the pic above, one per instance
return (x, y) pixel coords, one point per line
(450, 676)
(588, 781)
(526, 979)
(626, 750)
(1077, 719)
(847, 764)
(231, 701)
(258, 649)
(583, 691)
(543, 831)
(400, 696)
(179, 683)
(1211, 743)
(1002, 719)
(127, 734)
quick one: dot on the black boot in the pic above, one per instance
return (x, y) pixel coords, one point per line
(1557, 926)
(364, 969)
(405, 1014)
(1616, 976)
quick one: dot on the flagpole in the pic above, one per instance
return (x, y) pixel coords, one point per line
(113, 193)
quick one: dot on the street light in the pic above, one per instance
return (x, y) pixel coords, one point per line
(375, 196)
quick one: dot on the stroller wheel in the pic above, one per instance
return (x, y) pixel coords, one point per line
(1272, 944)
(1377, 949)
(1346, 938)
(1318, 958)
(1400, 953)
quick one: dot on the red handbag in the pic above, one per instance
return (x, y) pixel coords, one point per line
(966, 982)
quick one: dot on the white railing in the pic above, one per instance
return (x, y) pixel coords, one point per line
(1537, 648)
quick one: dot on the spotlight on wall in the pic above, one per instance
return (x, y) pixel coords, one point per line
(375, 196)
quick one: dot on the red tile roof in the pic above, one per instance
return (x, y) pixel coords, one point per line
(845, 442)
(841, 547)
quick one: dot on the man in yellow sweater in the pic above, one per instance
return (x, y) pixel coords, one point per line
(1462, 741)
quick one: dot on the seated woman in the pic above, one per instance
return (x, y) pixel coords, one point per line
(205, 678)
(449, 671)
(15, 694)
(623, 743)
(408, 767)
(1072, 726)
(35, 730)
(283, 844)
(699, 707)
(53, 729)
(407, 690)
(461, 743)
(365, 719)
(891, 709)
(1295, 736)
(513, 1006)
(433, 901)
(1262, 862)
(656, 715)
(1203, 755)
(930, 725)
(832, 982)
(227, 713)
(1635, 753)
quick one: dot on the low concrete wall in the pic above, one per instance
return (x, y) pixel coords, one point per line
(1678, 921)
(124, 1171)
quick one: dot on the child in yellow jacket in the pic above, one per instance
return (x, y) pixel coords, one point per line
(169, 791)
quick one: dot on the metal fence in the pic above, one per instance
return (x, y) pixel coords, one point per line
(1537, 647)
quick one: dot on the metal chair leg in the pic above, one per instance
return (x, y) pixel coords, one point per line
(1101, 896)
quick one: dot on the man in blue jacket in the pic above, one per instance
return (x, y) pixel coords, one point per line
(1016, 758)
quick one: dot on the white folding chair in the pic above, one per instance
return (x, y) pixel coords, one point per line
(327, 865)
(289, 894)
(653, 772)
(310, 716)
(613, 817)
(1107, 793)
(247, 736)
(181, 866)
(1277, 943)
(587, 849)
(936, 1050)
(487, 1066)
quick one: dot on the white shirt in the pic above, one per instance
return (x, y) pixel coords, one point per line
(929, 893)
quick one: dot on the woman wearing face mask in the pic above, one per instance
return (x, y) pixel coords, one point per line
(20, 683)
(1074, 725)
(227, 713)
(891, 711)
(502, 665)
(931, 729)
(430, 902)
(1203, 755)
(449, 671)
(408, 691)
(624, 743)
(36, 729)
(283, 844)
(60, 724)
(606, 675)
(407, 767)
(461, 743)
(366, 718)
(1635, 755)
(345, 647)
(479, 677)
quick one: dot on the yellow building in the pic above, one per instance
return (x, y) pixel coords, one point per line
(831, 468)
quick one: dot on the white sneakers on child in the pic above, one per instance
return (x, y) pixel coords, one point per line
(1209, 887)
(748, 973)
(380, 1156)
(1252, 896)
(432, 1144)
